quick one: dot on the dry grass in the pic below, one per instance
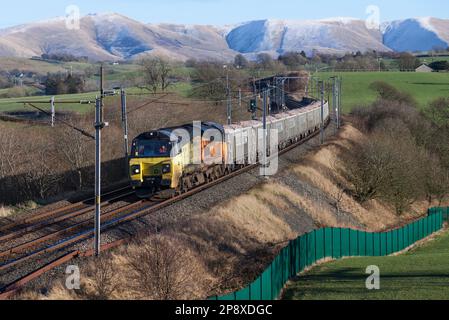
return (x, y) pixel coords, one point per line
(156, 267)
(253, 214)
(6, 212)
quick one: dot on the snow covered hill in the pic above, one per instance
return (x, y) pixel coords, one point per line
(419, 34)
(339, 35)
(113, 36)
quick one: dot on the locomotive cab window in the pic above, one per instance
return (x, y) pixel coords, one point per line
(152, 148)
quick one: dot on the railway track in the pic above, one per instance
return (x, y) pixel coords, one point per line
(58, 222)
(88, 204)
(65, 237)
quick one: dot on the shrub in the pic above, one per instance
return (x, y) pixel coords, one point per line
(439, 65)
(388, 92)
(162, 268)
(17, 92)
(389, 165)
(438, 112)
(104, 277)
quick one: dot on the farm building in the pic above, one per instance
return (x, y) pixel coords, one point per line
(424, 68)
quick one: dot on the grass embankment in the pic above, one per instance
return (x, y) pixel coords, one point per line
(419, 274)
(424, 87)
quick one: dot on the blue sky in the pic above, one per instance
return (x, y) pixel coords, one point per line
(221, 12)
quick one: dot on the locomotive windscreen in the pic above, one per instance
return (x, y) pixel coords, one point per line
(151, 148)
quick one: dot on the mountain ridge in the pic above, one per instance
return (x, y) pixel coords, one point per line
(112, 36)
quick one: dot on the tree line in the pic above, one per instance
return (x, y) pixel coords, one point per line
(405, 157)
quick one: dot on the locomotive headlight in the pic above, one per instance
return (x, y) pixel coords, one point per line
(135, 170)
(166, 168)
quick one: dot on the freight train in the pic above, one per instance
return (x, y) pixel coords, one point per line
(181, 158)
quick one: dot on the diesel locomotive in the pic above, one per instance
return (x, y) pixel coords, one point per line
(180, 158)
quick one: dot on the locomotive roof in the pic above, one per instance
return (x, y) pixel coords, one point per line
(165, 133)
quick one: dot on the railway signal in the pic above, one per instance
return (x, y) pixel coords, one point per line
(124, 125)
(228, 97)
(252, 106)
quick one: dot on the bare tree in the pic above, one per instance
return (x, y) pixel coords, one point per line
(9, 152)
(104, 277)
(265, 61)
(76, 151)
(165, 72)
(162, 269)
(240, 61)
(156, 73)
(41, 175)
(436, 179)
(366, 166)
(151, 74)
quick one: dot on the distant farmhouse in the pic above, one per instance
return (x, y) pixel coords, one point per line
(424, 68)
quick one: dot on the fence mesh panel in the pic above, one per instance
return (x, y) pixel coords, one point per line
(312, 247)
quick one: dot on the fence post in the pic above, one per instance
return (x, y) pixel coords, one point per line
(271, 281)
(332, 243)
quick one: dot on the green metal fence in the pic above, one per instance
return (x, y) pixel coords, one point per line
(335, 243)
(444, 212)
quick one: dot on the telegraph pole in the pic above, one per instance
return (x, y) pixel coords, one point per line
(52, 104)
(99, 125)
(337, 102)
(240, 99)
(340, 80)
(228, 95)
(265, 103)
(254, 116)
(307, 85)
(322, 112)
(125, 124)
(334, 96)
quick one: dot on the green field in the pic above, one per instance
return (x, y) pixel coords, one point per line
(433, 59)
(15, 104)
(424, 87)
(420, 274)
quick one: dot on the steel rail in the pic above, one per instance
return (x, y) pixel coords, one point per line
(66, 216)
(40, 216)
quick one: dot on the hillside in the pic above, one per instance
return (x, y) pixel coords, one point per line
(420, 34)
(113, 36)
(335, 36)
